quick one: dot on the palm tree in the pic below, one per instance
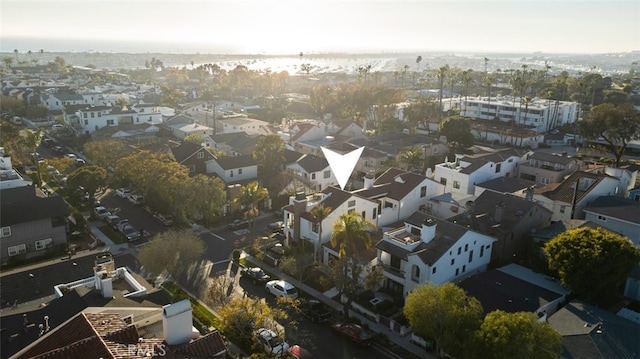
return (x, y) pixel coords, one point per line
(441, 74)
(467, 77)
(350, 229)
(15, 51)
(249, 196)
(412, 157)
(319, 213)
(42, 55)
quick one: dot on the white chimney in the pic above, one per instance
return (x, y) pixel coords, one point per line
(107, 288)
(177, 322)
(428, 230)
(368, 180)
(429, 173)
(499, 211)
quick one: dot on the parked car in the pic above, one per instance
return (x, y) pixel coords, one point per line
(47, 142)
(136, 199)
(316, 311)
(113, 221)
(130, 232)
(276, 226)
(255, 274)
(123, 192)
(71, 156)
(164, 219)
(353, 332)
(120, 225)
(237, 224)
(281, 288)
(299, 352)
(80, 162)
(101, 212)
(58, 149)
(271, 343)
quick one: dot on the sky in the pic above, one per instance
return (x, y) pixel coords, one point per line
(319, 26)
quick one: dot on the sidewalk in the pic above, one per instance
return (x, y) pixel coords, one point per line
(403, 341)
(109, 245)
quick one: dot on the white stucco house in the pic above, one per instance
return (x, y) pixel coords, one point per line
(461, 176)
(399, 194)
(430, 250)
(567, 200)
(300, 224)
(313, 171)
(233, 169)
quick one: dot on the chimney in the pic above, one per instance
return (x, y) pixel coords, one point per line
(106, 287)
(428, 230)
(299, 207)
(368, 180)
(499, 211)
(177, 322)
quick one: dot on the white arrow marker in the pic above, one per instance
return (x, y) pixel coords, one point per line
(342, 165)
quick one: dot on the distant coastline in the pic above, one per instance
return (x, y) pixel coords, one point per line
(125, 55)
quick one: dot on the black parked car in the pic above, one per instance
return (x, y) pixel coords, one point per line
(255, 274)
(316, 311)
(237, 224)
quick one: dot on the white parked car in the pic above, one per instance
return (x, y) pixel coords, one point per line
(123, 192)
(136, 199)
(281, 288)
(71, 156)
(271, 343)
(101, 212)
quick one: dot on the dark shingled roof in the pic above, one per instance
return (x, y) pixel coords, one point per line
(16, 210)
(506, 184)
(311, 163)
(548, 157)
(447, 234)
(291, 156)
(231, 162)
(589, 332)
(564, 191)
(393, 183)
(478, 160)
(497, 290)
(616, 207)
(188, 149)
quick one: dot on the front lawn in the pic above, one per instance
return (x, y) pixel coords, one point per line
(113, 235)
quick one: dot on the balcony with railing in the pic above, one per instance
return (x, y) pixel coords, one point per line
(392, 272)
(400, 237)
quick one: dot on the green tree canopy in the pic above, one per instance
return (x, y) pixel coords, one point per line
(269, 155)
(172, 251)
(90, 177)
(458, 132)
(517, 335)
(617, 125)
(445, 314)
(591, 262)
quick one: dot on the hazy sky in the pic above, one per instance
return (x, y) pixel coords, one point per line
(288, 27)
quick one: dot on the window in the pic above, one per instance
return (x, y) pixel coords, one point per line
(443, 181)
(239, 171)
(459, 250)
(456, 184)
(93, 115)
(43, 244)
(415, 273)
(5, 232)
(602, 218)
(313, 176)
(364, 214)
(464, 268)
(466, 247)
(315, 227)
(231, 173)
(562, 209)
(498, 167)
(453, 261)
(326, 174)
(434, 270)
(15, 250)
(352, 203)
(544, 180)
(395, 262)
(423, 191)
(86, 122)
(481, 251)
(375, 213)
(110, 122)
(200, 155)
(470, 256)
(457, 271)
(352, 210)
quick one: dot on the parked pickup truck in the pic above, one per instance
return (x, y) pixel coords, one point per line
(316, 311)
